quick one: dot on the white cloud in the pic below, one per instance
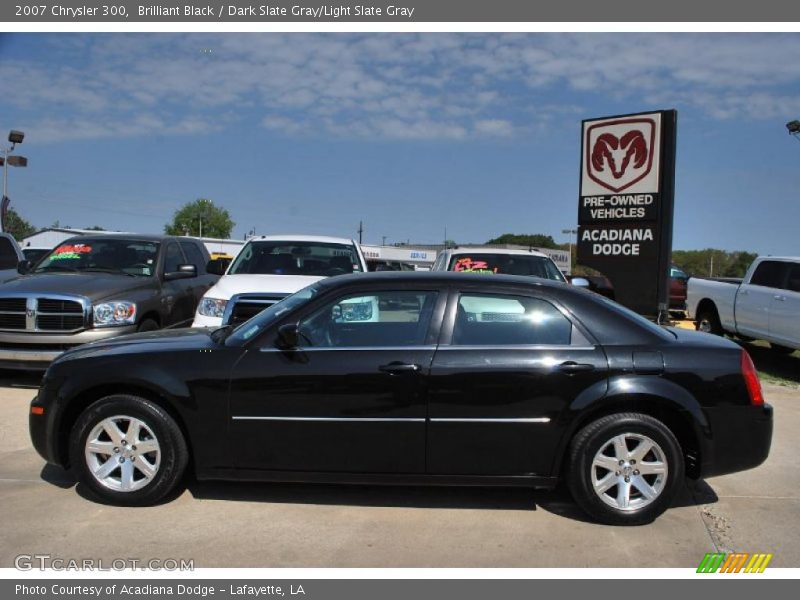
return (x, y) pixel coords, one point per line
(396, 86)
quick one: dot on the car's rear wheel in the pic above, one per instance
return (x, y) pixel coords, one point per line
(708, 321)
(128, 450)
(625, 468)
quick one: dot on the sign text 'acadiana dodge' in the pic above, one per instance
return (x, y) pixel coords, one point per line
(625, 207)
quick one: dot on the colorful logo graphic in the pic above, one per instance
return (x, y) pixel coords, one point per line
(620, 153)
(736, 562)
(467, 265)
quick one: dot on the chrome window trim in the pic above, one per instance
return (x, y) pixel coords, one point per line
(496, 420)
(349, 348)
(518, 347)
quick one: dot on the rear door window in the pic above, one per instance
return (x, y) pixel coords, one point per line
(505, 320)
(8, 254)
(770, 273)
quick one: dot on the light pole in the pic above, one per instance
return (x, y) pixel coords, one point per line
(15, 137)
(570, 232)
(794, 129)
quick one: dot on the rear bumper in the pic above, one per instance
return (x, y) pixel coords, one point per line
(740, 439)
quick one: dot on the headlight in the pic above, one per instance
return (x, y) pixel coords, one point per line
(212, 307)
(110, 314)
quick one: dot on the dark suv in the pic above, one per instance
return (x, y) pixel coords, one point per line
(95, 287)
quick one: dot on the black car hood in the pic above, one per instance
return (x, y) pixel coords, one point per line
(94, 285)
(151, 342)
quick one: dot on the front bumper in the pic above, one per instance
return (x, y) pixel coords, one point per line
(34, 351)
(204, 321)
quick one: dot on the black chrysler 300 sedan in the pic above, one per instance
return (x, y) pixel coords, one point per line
(412, 377)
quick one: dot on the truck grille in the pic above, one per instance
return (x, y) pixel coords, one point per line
(246, 307)
(42, 314)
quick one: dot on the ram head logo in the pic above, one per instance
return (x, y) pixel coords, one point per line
(620, 153)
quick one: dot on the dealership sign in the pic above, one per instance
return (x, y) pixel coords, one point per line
(625, 209)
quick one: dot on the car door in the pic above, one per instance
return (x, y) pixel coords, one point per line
(754, 300)
(197, 286)
(784, 318)
(508, 365)
(351, 398)
(177, 298)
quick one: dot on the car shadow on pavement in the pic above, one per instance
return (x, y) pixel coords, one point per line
(558, 501)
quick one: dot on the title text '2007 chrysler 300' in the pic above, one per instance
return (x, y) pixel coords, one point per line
(439, 378)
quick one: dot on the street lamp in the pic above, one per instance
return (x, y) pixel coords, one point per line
(570, 233)
(15, 137)
(794, 129)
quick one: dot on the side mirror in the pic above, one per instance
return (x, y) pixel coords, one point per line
(217, 266)
(288, 336)
(580, 282)
(24, 266)
(183, 272)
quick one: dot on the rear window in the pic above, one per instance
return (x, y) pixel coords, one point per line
(507, 264)
(296, 258)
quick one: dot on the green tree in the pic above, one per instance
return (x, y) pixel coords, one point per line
(17, 226)
(712, 262)
(536, 240)
(95, 228)
(216, 222)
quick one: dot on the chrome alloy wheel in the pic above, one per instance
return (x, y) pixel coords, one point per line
(629, 471)
(122, 453)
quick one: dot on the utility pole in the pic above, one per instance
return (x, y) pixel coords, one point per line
(360, 231)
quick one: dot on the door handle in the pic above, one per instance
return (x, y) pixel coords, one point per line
(572, 367)
(398, 367)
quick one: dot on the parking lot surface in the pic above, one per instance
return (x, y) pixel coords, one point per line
(280, 525)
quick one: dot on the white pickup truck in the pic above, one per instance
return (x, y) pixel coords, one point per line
(269, 268)
(764, 306)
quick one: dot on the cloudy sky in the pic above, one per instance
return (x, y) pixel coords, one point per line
(410, 133)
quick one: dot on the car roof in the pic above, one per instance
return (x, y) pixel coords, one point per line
(483, 250)
(444, 277)
(301, 238)
(143, 237)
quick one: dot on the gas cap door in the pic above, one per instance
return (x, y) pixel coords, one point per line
(648, 363)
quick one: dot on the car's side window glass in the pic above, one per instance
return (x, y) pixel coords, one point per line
(380, 319)
(194, 256)
(8, 256)
(173, 259)
(769, 274)
(505, 320)
(793, 281)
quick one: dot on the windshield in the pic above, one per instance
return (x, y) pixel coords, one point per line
(508, 264)
(135, 258)
(266, 317)
(296, 258)
(676, 273)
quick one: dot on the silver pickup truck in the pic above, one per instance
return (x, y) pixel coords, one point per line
(765, 305)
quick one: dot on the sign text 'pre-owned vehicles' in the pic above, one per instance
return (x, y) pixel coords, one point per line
(271, 267)
(91, 288)
(412, 377)
(765, 305)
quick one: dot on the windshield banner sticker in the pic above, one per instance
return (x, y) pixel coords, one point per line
(70, 252)
(467, 265)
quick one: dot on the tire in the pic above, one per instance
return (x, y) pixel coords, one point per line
(148, 325)
(593, 449)
(708, 321)
(124, 480)
(778, 349)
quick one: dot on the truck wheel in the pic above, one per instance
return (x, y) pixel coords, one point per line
(128, 450)
(147, 325)
(625, 469)
(708, 321)
(778, 349)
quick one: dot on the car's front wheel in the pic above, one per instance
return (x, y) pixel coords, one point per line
(128, 450)
(625, 468)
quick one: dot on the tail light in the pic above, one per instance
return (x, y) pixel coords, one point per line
(751, 380)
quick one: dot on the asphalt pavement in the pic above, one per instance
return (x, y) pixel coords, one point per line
(302, 525)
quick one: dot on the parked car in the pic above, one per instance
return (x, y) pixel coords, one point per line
(677, 288)
(269, 268)
(10, 256)
(33, 253)
(493, 261)
(412, 378)
(91, 288)
(389, 265)
(765, 305)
